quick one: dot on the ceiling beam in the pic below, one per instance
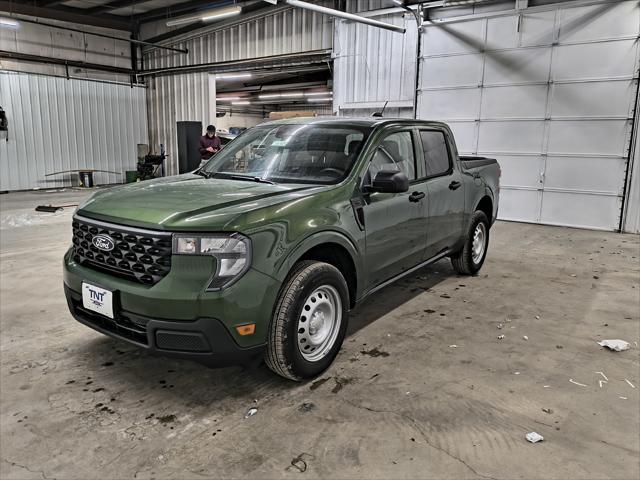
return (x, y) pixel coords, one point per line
(68, 14)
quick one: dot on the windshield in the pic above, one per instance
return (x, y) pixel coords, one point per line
(321, 154)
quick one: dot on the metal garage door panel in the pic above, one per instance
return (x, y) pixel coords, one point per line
(538, 28)
(464, 37)
(517, 66)
(456, 71)
(519, 205)
(465, 135)
(502, 32)
(580, 210)
(524, 101)
(593, 99)
(592, 174)
(521, 170)
(445, 105)
(511, 137)
(595, 60)
(590, 137)
(599, 22)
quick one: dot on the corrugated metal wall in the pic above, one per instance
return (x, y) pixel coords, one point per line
(57, 124)
(372, 66)
(62, 44)
(290, 31)
(172, 99)
(179, 97)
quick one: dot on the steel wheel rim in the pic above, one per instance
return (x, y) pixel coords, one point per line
(479, 243)
(319, 323)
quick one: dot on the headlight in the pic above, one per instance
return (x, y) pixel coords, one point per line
(232, 252)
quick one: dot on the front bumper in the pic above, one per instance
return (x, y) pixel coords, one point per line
(177, 317)
(205, 340)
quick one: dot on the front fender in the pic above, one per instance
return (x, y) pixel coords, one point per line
(320, 238)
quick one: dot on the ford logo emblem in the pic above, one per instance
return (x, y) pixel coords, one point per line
(103, 242)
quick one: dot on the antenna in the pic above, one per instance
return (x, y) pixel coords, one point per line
(380, 113)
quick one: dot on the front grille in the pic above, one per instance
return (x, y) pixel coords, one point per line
(142, 256)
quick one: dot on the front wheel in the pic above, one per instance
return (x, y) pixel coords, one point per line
(470, 258)
(309, 322)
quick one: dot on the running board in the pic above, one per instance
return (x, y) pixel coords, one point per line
(386, 283)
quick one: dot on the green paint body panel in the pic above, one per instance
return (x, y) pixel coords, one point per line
(283, 222)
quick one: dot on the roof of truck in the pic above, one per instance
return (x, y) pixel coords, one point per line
(354, 121)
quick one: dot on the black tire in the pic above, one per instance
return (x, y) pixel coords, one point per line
(283, 354)
(463, 261)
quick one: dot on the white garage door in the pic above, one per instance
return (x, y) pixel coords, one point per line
(551, 95)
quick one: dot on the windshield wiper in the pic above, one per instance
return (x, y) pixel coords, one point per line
(251, 179)
(202, 173)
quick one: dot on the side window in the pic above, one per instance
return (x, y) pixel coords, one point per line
(395, 152)
(436, 154)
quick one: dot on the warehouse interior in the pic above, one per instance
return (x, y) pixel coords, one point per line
(440, 375)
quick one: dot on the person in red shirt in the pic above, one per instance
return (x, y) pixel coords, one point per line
(209, 144)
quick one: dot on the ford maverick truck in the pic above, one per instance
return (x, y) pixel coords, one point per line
(263, 251)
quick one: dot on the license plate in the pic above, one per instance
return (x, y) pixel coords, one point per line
(97, 299)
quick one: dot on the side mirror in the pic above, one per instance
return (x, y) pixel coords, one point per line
(390, 181)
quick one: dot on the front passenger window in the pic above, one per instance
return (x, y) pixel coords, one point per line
(395, 152)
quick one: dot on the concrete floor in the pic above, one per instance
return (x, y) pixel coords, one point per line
(400, 401)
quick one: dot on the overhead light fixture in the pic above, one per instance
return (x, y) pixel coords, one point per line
(9, 23)
(207, 16)
(320, 99)
(227, 99)
(232, 76)
(310, 94)
(271, 95)
(243, 102)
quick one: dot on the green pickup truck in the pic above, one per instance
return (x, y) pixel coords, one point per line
(263, 251)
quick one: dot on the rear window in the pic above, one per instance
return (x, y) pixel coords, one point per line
(436, 153)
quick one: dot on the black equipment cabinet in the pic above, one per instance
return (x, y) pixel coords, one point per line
(189, 134)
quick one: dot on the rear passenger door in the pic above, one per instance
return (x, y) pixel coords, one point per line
(445, 197)
(395, 223)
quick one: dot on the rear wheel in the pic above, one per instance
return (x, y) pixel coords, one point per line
(470, 258)
(310, 321)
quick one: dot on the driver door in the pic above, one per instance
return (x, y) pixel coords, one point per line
(395, 223)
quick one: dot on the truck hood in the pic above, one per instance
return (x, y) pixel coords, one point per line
(186, 202)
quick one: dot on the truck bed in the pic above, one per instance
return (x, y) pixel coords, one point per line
(469, 162)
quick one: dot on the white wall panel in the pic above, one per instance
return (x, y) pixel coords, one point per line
(571, 173)
(556, 89)
(511, 137)
(520, 205)
(374, 65)
(579, 210)
(521, 170)
(57, 124)
(592, 99)
(538, 28)
(595, 60)
(523, 101)
(465, 37)
(466, 135)
(456, 104)
(527, 65)
(589, 137)
(454, 71)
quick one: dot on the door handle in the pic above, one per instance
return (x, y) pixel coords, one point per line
(454, 185)
(416, 196)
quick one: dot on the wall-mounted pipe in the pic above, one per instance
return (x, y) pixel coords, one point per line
(104, 35)
(25, 57)
(345, 15)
